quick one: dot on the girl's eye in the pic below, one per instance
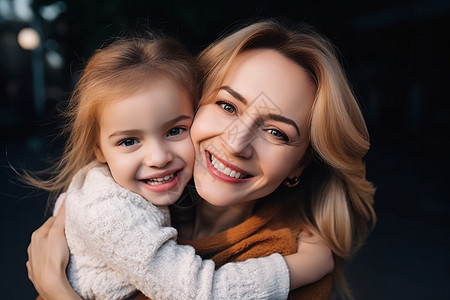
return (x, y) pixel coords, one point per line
(278, 134)
(227, 107)
(175, 131)
(128, 142)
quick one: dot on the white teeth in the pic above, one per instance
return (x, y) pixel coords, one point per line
(225, 170)
(160, 180)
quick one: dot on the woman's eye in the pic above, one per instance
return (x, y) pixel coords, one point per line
(227, 107)
(175, 131)
(278, 134)
(128, 142)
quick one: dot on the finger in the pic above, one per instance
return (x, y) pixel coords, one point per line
(29, 271)
(44, 227)
(36, 238)
(61, 212)
(29, 251)
(40, 234)
(59, 223)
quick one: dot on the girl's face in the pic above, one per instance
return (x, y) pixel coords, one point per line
(254, 133)
(145, 141)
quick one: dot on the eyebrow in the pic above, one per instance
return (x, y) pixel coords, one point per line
(134, 131)
(279, 118)
(234, 93)
(274, 117)
(177, 119)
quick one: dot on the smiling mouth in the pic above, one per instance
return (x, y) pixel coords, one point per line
(160, 180)
(226, 170)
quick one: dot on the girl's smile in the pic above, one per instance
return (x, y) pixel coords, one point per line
(145, 141)
(163, 183)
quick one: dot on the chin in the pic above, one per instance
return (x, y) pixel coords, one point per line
(211, 197)
(170, 198)
(219, 199)
(165, 202)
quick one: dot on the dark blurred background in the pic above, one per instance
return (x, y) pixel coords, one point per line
(397, 57)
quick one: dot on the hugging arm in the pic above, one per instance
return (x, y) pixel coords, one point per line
(312, 261)
(130, 237)
(48, 273)
(113, 231)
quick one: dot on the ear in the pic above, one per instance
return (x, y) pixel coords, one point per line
(99, 154)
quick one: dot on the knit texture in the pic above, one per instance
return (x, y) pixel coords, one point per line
(120, 243)
(264, 233)
(267, 231)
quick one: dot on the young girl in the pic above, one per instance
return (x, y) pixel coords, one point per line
(128, 156)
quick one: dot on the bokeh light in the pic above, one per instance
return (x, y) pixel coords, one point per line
(28, 39)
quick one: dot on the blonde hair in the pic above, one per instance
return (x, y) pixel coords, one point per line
(335, 200)
(113, 73)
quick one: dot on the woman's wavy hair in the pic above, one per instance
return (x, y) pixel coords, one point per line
(114, 72)
(335, 200)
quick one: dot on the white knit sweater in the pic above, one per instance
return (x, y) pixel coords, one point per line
(121, 243)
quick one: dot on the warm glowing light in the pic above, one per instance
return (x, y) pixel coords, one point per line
(28, 39)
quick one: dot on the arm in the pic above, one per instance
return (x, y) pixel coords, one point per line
(312, 261)
(133, 242)
(131, 237)
(48, 256)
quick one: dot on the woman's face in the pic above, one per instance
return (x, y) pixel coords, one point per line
(254, 132)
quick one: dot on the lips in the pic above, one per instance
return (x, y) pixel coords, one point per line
(227, 169)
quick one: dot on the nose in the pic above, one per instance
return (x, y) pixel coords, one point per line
(157, 155)
(238, 138)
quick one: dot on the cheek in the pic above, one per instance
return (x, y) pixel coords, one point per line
(186, 152)
(277, 171)
(198, 128)
(120, 175)
(279, 164)
(209, 122)
(122, 166)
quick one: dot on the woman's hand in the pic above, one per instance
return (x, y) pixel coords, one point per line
(48, 256)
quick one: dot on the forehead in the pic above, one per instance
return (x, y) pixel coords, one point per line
(264, 76)
(151, 103)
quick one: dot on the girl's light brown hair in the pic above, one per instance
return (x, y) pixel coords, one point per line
(113, 73)
(334, 199)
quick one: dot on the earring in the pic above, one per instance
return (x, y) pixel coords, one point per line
(291, 182)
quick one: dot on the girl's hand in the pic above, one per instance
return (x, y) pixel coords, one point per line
(312, 261)
(48, 256)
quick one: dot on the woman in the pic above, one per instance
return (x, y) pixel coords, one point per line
(279, 141)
